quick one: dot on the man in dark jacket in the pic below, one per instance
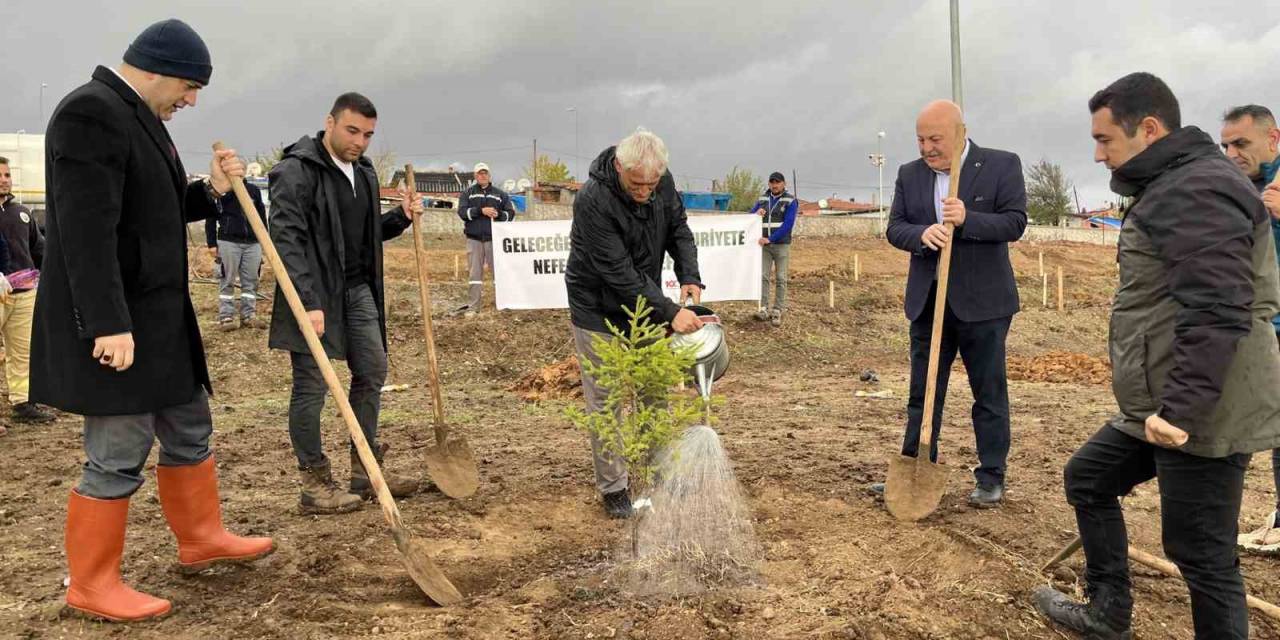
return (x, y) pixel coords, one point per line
(20, 258)
(990, 212)
(626, 218)
(116, 338)
(1250, 138)
(1194, 358)
(779, 209)
(231, 241)
(327, 227)
(479, 206)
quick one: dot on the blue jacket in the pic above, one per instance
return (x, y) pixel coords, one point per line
(1269, 171)
(779, 216)
(471, 201)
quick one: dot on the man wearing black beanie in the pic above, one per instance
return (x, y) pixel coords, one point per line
(115, 338)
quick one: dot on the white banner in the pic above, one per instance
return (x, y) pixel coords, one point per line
(529, 259)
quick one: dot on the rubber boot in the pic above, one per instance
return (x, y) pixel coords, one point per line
(321, 495)
(399, 486)
(95, 542)
(189, 499)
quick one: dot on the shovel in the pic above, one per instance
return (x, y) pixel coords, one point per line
(450, 463)
(414, 553)
(915, 485)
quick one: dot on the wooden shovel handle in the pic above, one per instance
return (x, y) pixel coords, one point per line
(940, 303)
(424, 297)
(388, 504)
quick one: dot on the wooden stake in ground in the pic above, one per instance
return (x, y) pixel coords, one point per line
(1060, 306)
(455, 267)
(1044, 290)
(412, 551)
(1042, 264)
(831, 294)
(857, 267)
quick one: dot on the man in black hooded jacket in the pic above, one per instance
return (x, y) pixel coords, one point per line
(626, 218)
(327, 228)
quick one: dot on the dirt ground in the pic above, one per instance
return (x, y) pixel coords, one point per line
(532, 550)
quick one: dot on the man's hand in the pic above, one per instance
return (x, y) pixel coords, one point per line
(761, 212)
(317, 321)
(763, 241)
(1271, 198)
(224, 166)
(213, 251)
(686, 321)
(1162, 434)
(114, 351)
(691, 291)
(411, 204)
(490, 211)
(936, 236)
(953, 211)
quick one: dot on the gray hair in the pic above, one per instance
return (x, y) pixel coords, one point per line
(643, 150)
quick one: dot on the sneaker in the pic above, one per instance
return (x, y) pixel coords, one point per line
(618, 504)
(1263, 540)
(1101, 618)
(31, 413)
(986, 496)
(877, 490)
(762, 314)
(469, 313)
(775, 318)
(253, 322)
(226, 324)
(458, 311)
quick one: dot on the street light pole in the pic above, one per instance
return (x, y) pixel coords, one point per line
(877, 159)
(576, 159)
(43, 86)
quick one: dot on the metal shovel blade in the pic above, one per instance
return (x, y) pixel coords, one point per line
(914, 487)
(424, 572)
(452, 466)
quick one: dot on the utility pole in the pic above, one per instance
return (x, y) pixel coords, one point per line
(534, 167)
(795, 184)
(957, 85)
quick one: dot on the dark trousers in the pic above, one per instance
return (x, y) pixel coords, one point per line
(367, 358)
(117, 446)
(1199, 506)
(981, 346)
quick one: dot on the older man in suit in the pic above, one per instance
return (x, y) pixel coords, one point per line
(116, 339)
(989, 213)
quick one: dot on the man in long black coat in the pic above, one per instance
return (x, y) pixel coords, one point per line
(115, 335)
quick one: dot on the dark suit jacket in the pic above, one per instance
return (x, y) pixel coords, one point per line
(995, 198)
(115, 257)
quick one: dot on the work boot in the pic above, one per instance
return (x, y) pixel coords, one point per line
(189, 499)
(95, 542)
(31, 413)
(321, 495)
(775, 318)
(399, 486)
(226, 324)
(876, 489)
(986, 496)
(618, 504)
(252, 321)
(762, 314)
(1104, 617)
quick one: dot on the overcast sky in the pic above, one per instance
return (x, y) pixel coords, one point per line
(766, 85)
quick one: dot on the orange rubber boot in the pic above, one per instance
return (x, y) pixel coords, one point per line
(189, 499)
(95, 542)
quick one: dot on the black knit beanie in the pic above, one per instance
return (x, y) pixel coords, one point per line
(171, 48)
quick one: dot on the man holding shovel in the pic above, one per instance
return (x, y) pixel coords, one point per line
(1250, 138)
(1195, 364)
(989, 213)
(116, 338)
(326, 226)
(625, 219)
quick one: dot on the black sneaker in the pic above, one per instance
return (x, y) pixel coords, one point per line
(986, 496)
(1091, 619)
(31, 413)
(618, 504)
(877, 490)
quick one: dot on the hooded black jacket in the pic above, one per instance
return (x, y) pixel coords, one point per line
(618, 246)
(306, 228)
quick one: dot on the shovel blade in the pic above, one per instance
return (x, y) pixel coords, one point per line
(914, 487)
(452, 466)
(427, 576)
